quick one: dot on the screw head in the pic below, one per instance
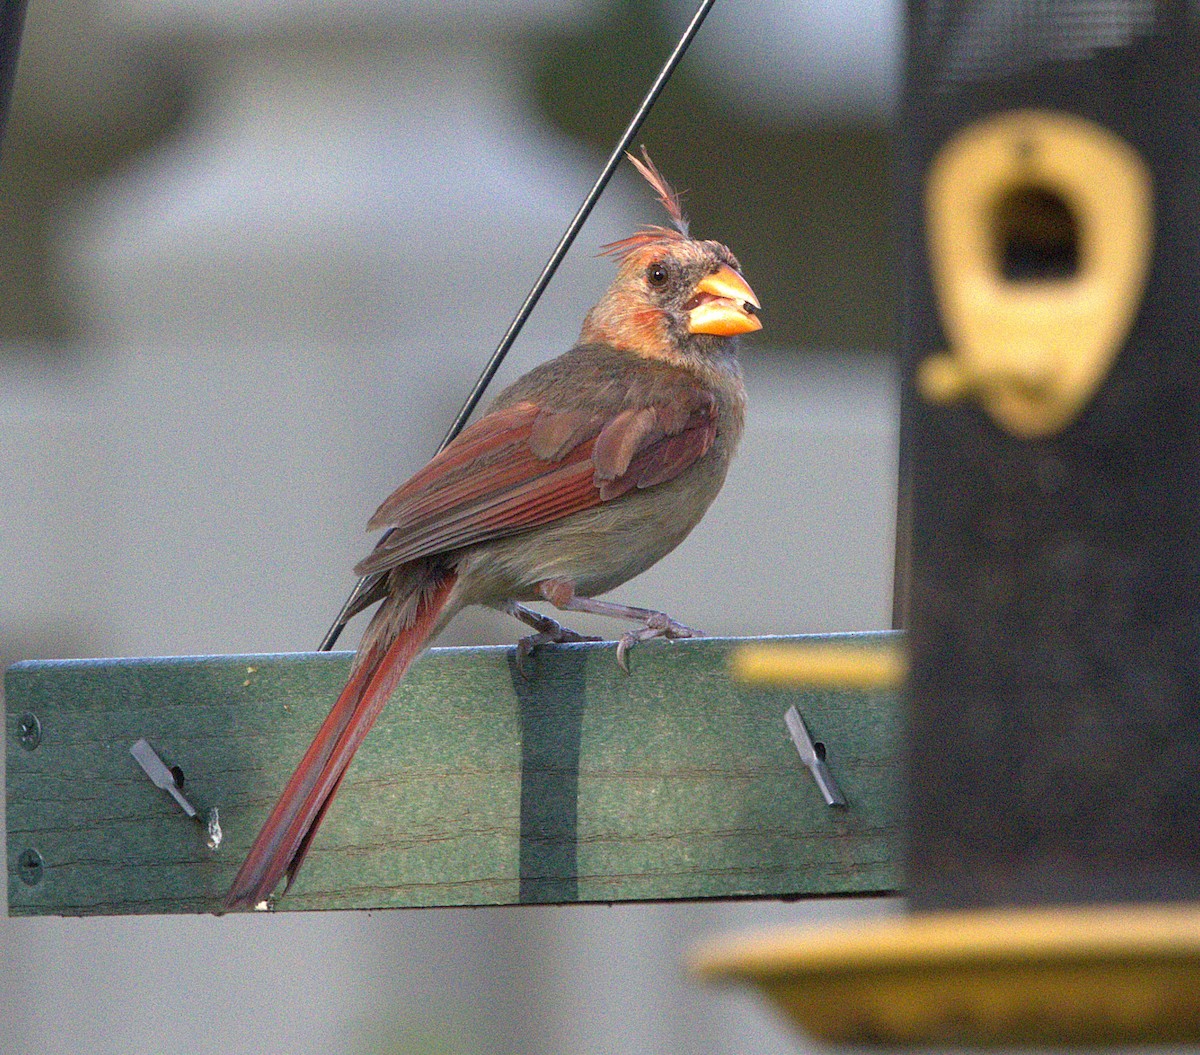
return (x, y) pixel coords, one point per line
(30, 867)
(29, 730)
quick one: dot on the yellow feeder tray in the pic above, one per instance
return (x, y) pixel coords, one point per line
(1107, 975)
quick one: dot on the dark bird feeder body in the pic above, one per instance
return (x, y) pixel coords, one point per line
(1052, 591)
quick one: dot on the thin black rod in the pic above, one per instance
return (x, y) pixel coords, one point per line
(560, 251)
(539, 287)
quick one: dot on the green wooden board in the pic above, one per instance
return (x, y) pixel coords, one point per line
(476, 787)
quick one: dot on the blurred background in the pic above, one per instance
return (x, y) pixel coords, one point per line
(252, 255)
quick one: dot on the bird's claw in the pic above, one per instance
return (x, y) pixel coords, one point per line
(555, 634)
(657, 625)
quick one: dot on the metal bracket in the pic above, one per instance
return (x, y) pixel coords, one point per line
(812, 754)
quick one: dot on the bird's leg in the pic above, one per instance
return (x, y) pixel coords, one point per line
(561, 594)
(549, 632)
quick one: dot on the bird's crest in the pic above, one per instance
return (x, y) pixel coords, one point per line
(652, 233)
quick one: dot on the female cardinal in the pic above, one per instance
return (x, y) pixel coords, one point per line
(581, 475)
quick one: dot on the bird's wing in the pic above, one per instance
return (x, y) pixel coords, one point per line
(524, 466)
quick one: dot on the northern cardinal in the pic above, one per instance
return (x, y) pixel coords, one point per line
(580, 475)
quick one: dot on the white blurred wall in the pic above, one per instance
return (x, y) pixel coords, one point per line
(284, 307)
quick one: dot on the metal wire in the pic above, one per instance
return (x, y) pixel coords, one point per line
(367, 583)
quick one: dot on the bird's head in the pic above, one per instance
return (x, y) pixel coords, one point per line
(674, 296)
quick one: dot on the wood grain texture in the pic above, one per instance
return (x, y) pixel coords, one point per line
(476, 787)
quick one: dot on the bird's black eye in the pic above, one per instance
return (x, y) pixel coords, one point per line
(656, 274)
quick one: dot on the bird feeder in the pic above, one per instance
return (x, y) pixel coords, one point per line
(1051, 410)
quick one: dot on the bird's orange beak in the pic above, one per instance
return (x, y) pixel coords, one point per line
(723, 304)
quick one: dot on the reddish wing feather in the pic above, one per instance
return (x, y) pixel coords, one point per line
(489, 483)
(537, 500)
(619, 440)
(498, 429)
(665, 459)
(503, 491)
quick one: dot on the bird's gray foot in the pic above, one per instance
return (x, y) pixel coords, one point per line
(658, 624)
(548, 632)
(561, 594)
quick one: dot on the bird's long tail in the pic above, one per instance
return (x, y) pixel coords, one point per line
(383, 660)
